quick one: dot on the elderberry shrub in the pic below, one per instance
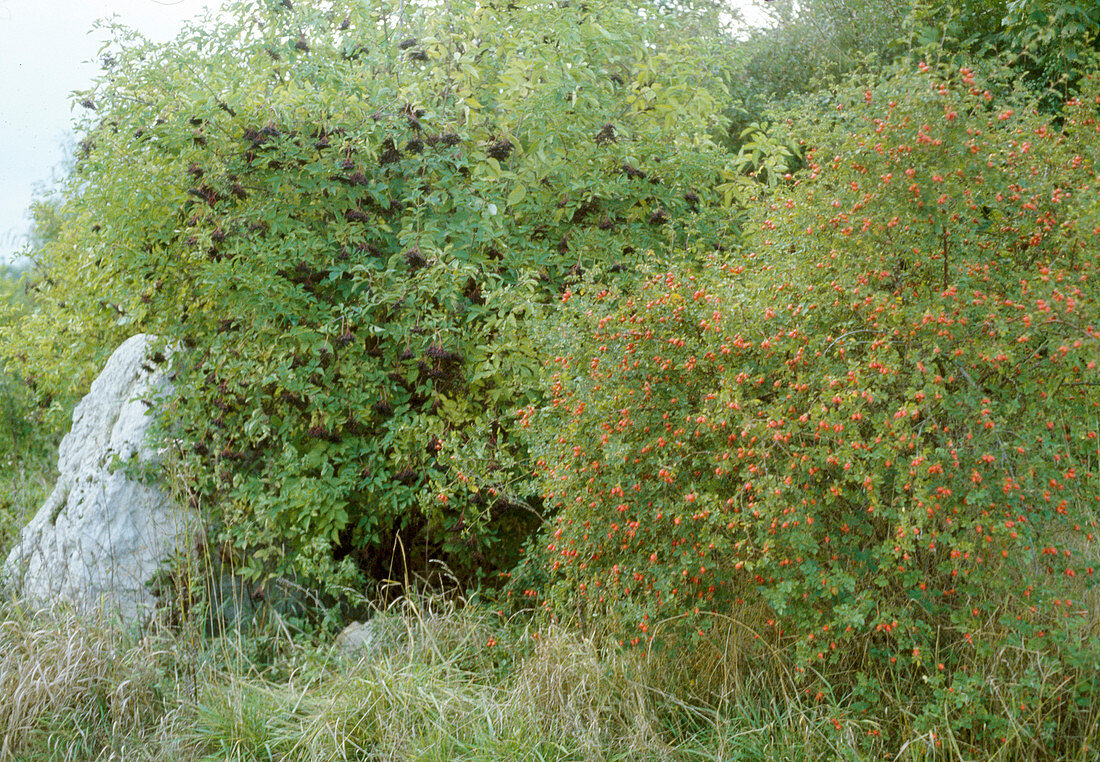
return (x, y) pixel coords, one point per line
(350, 274)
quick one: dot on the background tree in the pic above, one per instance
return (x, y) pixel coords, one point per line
(807, 45)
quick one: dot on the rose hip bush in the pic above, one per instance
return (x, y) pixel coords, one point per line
(876, 421)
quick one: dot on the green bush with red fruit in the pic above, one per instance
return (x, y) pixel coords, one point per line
(869, 435)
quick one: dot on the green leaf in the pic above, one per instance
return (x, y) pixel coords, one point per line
(517, 194)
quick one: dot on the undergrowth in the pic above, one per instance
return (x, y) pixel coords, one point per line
(445, 678)
(28, 442)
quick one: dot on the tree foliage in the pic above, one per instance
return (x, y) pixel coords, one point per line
(806, 45)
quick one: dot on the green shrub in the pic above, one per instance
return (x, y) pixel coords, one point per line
(27, 438)
(870, 434)
(344, 213)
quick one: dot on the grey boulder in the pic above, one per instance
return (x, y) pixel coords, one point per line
(102, 534)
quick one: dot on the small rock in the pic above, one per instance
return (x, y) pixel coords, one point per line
(360, 639)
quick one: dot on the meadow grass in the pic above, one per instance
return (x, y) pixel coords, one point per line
(449, 679)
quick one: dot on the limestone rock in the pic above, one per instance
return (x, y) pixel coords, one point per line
(102, 535)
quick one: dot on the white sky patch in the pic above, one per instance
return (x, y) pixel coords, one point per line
(50, 49)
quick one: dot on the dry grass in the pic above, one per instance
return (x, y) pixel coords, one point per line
(450, 680)
(437, 690)
(78, 689)
(591, 698)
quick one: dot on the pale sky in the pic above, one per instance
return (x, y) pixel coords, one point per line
(48, 50)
